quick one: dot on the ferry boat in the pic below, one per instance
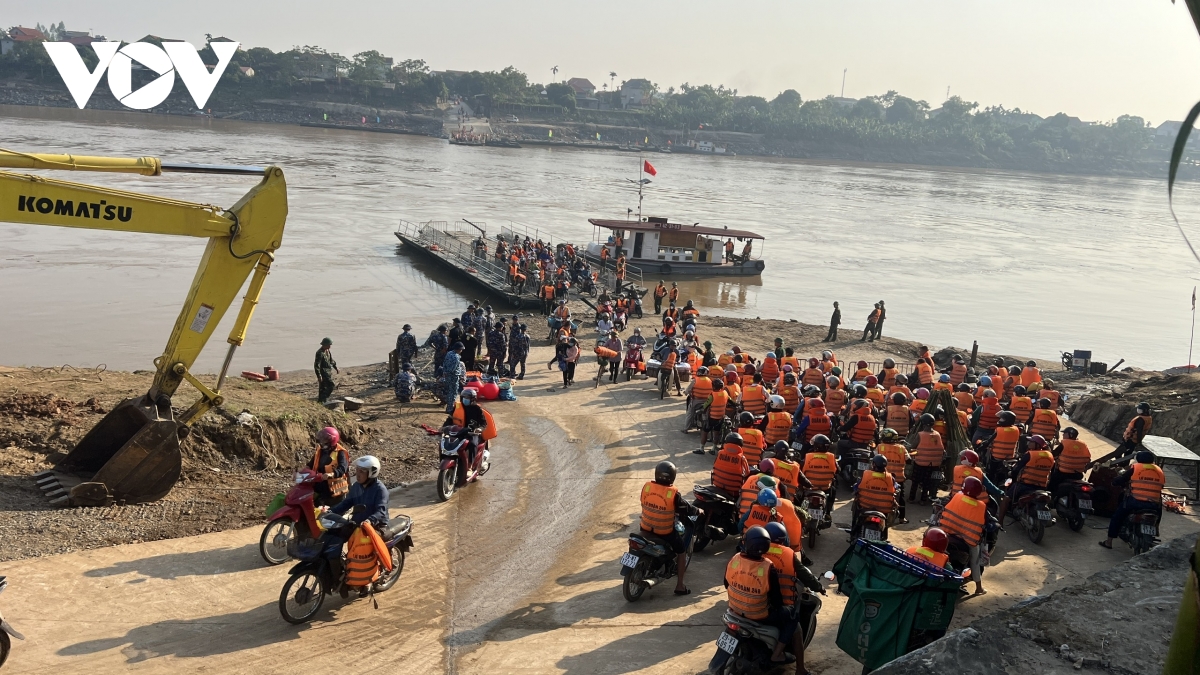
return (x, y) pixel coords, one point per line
(657, 247)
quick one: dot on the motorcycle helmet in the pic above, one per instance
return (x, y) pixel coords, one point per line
(664, 473)
(861, 403)
(1006, 418)
(926, 420)
(769, 355)
(468, 396)
(889, 435)
(988, 393)
(734, 438)
(749, 369)
(860, 391)
(1014, 370)
(1047, 383)
(746, 419)
(879, 463)
(899, 398)
(1037, 442)
(985, 381)
(813, 362)
(702, 370)
(836, 371)
(756, 542)
(832, 382)
(922, 394)
(963, 387)
(1044, 403)
(972, 487)
(776, 402)
(765, 481)
(767, 467)
(968, 457)
(778, 533)
(901, 379)
(1144, 457)
(787, 368)
(820, 442)
(1019, 390)
(944, 378)
(789, 379)
(812, 391)
(862, 364)
(1143, 408)
(1070, 432)
(889, 363)
(827, 355)
(368, 462)
(1031, 364)
(872, 381)
(958, 358)
(329, 437)
(781, 449)
(767, 498)
(935, 539)
(731, 377)
(817, 403)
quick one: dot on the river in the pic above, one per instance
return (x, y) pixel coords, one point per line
(1024, 263)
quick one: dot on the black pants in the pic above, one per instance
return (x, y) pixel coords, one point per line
(878, 330)
(922, 482)
(494, 363)
(569, 373)
(658, 305)
(1129, 505)
(512, 367)
(832, 335)
(324, 388)
(614, 367)
(868, 332)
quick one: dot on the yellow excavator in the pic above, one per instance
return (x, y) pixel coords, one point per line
(132, 455)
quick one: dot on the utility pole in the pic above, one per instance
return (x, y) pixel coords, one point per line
(844, 82)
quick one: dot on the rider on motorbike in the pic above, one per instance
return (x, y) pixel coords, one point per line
(662, 504)
(1143, 482)
(333, 462)
(932, 549)
(820, 468)
(471, 419)
(966, 517)
(1031, 473)
(1071, 459)
(754, 590)
(369, 499)
(792, 571)
(876, 491)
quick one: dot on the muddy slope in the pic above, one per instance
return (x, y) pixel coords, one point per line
(1175, 400)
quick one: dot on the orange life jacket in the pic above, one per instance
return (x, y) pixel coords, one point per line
(658, 508)
(716, 409)
(759, 516)
(889, 377)
(786, 510)
(778, 426)
(958, 373)
(897, 457)
(965, 517)
(793, 361)
(943, 386)
(749, 580)
(1029, 375)
(754, 399)
(784, 561)
(987, 416)
(928, 555)
(813, 376)
(817, 424)
(460, 418)
(819, 469)
(862, 374)
(876, 491)
(930, 449)
(730, 469)
(788, 473)
(752, 445)
(748, 494)
(362, 557)
(1045, 422)
(1004, 442)
(900, 389)
(876, 397)
(898, 418)
(863, 430)
(1074, 456)
(924, 373)
(701, 388)
(966, 402)
(337, 486)
(1054, 397)
(961, 473)
(769, 370)
(1146, 482)
(660, 291)
(1037, 469)
(1132, 435)
(835, 400)
(1022, 407)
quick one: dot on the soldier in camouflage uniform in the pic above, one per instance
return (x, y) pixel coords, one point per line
(406, 346)
(497, 343)
(453, 375)
(518, 351)
(325, 367)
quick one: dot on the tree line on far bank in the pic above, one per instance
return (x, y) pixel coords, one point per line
(888, 127)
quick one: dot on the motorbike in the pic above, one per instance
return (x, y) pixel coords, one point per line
(633, 361)
(814, 502)
(719, 518)
(744, 647)
(296, 519)
(1032, 511)
(456, 469)
(637, 307)
(6, 630)
(1074, 503)
(310, 580)
(1140, 531)
(648, 562)
(872, 525)
(852, 463)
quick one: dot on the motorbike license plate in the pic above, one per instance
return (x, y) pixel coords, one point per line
(863, 466)
(1044, 515)
(1150, 530)
(816, 513)
(727, 643)
(871, 535)
(1085, 504)
(629, 560)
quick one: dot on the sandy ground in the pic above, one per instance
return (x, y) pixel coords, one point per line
(517, 573)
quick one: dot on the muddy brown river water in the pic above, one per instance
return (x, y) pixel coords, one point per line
(1024, 263)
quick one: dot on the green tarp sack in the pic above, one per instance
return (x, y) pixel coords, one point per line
(276, 504)
(890, 595)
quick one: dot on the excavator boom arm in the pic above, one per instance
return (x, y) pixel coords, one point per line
(241, 242)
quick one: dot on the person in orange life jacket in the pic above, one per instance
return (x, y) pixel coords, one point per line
(897, 415)
(1143, 482)
(1056, 397)
(1030, 373)
(1071, 458)
(968, 465)
(966, 516)
(791, 479)
(986, 417)
(861, 373)
(1020, 404)
(753, 441)
(887, 376)
(876, 491)
(875, 393)
(1137, 429)
(820, 470)
(928, 457)
(754, 484)
(698, 392)
(755, 593)
(333, 462)
(901, 387)
(368, 498)
(872, 321)
(943, 383)
(662, 506)
(932, 549)
(717, 406)
(734, 389)
(730, 468)
(1031, 473)
(660, 292)
(895, 450)
(1011, 377)
(793, 572)
(469, 418)
(815, 421)
(957, 370)
(966, 401)
(1044, 421)
(858, 431)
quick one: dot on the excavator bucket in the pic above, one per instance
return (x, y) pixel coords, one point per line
(130, 457)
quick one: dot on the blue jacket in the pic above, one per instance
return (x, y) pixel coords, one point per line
(372, 497)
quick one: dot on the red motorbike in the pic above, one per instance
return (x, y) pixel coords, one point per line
(295, 520)
(457, 470)
(633, 362)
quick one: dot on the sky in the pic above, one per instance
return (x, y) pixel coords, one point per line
(1095, 59)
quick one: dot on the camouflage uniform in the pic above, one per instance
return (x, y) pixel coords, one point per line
(324, 365)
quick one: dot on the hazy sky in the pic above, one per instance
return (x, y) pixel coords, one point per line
(1093, 58)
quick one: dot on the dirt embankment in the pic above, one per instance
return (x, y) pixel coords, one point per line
(1174, 399)
(231, 467)
(1118, 621)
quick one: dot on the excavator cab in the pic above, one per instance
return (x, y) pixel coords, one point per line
(132, 456)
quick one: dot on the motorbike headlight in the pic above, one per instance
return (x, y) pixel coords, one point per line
(298, 478)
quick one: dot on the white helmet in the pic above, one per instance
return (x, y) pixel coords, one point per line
(368, 462)
(777, 402)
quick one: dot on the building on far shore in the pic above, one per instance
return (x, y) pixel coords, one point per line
(8, 41)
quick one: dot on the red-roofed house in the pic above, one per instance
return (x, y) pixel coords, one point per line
(10, 39)
(582, 86)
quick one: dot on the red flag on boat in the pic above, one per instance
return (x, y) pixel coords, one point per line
(648, 168)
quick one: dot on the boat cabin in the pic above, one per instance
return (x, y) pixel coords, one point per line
(658, 246)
